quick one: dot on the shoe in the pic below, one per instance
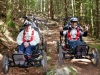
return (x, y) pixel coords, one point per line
(15, 52)
(20, 52)
(19, 58)
(16, 58)
(22, 61)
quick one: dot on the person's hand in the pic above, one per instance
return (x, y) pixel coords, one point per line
(61, 28)
(86, 28)
(26, 44)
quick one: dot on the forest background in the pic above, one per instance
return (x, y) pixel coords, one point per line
(88, 12)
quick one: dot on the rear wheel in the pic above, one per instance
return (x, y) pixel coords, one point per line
(44, 62)
(5, 63)
(94, 56)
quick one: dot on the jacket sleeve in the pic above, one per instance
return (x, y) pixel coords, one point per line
(65, 28)
(83, 33)
(19, 38)
(36, 39)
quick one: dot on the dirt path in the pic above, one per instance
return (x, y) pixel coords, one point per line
(52, 37)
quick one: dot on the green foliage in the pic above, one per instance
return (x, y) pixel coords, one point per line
(2, 29)
(9, 18)
(11, 24)
(51, 73)
(96, 46)
(8, 14)
(30, 5)
(32, 2)
(73, 71)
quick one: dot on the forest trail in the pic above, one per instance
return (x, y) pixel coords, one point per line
(52, 35)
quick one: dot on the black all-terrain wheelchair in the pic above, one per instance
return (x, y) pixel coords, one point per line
(83, 51)
(38, 58)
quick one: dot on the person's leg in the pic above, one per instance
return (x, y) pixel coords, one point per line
(78, 42)
(72, 45)
(28, 53)
(28, 50)
(33, 48)
(21, 48)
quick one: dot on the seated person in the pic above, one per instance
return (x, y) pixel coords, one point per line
(27, 39)
(33, 25)
(31, 18)
(72, 33)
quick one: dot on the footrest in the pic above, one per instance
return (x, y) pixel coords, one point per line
(18, 59)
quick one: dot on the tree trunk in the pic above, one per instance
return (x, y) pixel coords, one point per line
(97, 20)
(66, 11)
(51, 10)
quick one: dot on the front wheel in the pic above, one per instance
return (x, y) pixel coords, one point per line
(60, 56)
(44, 61)
(5, 63)
(94, 56)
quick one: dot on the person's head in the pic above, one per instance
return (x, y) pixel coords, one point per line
(73, 21)
(27, 26)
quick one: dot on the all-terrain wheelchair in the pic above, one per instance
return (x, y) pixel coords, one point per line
(38, 58)
(81, 51)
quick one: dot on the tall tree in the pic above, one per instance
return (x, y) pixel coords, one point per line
(97, 20)
(66, 10)
(51, 11)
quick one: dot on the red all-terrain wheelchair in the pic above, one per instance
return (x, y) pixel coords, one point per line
(81, 51)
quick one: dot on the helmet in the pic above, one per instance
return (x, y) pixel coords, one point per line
(27, 23)
(73, 19)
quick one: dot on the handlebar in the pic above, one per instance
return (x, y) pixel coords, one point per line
(32, 19)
